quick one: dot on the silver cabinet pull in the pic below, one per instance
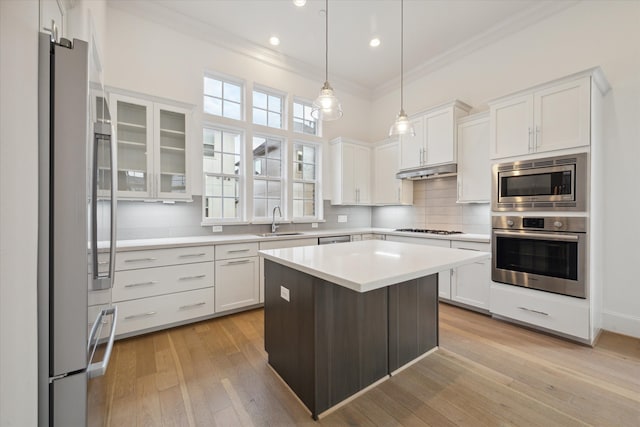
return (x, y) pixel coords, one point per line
(242, 261)
(530, 139)
(140, 259)
(185, 307)
(238, 250)
(133, 285)
(103, 262)
(192, 255)
(469, 249)
(533, 311)
(537, 140)
(97, 369)
(137, 316)
(199, 276)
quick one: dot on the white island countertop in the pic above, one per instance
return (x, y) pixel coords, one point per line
(371, 264)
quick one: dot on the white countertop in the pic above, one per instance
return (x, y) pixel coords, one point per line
(170, 242)
(371, 264)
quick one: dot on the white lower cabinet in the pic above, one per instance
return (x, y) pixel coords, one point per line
(557, 313)
(156, 288)
(237, 276)
(280, 244)
(470, 284)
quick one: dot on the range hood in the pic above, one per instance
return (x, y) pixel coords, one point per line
(426, 172)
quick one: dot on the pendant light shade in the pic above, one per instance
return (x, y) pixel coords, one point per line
(402, 125)
(326, 107)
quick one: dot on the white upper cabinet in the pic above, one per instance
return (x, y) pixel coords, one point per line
(474, 167)
(387, 190)
(152, 148)
(547, 119)
(434, 142)
(351, 173)
(53, 18)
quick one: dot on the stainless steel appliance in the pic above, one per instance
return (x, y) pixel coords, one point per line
(545, 253)
(428, 231)
(333, 239)
(76, 205)
(549, 184)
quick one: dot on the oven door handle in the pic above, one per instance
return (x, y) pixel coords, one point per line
(539, 236)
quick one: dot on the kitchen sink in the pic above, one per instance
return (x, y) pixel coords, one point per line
(293, 233)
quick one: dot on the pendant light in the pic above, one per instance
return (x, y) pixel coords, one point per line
(326, 107)
(402, 125)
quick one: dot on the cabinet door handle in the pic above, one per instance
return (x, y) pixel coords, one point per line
(469, 249)
(238, 250)
(133, 285)
(103, 262)
(199, 276)
(399, 198)
(197, 304)
(533, 311)
(537, 140)
(242, 261)
(137, 316)
(421, 150)
(530, 139)
(192, 255)
(140, 259)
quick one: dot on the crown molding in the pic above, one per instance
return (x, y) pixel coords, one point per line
(505, 28)
(201, 30)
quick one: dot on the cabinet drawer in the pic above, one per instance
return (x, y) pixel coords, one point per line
(420, 241)
(236, 250)
(558, 313)
(472, 246)
(146, 282)
(130, 260)
(151, 312)
(237, 283)
(279, 244)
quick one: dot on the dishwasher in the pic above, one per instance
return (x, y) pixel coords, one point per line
(333, 239)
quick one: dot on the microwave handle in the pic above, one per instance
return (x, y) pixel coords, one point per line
(539, 236)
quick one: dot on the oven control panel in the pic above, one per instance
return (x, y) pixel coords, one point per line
(541, 223)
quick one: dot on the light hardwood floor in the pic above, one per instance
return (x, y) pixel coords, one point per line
(485, 373)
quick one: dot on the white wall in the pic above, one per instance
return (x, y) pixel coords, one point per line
(592, 33)
(18, 212)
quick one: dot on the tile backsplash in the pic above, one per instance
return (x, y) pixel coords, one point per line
(435, 207)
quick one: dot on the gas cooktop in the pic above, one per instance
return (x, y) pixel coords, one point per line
(423, 230)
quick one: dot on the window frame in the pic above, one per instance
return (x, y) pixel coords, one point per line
(283, 180)
(305, 103)
(225, 79)
(242, 179)
(283, 106)
(319, 213)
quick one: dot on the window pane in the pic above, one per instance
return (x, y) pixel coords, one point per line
(275, 150)
(230, 208)
(259, 117)
(259, 188)
(211, 164)
(260, 100)
(212, 105)
(213, 207)
(298, 190)
(297, 170)
(230, 187)
(258, 145)
(232, 92)
(271, 204)
(274, 190)
(230, 164)
(212, 87)
(308, 172)
(298, 206)
(297, 125)
(231, 143)
(275, 103)
(273, 168)
(259, 168)
(213, 186)
(275, 120)
(309, 191)
(297, 153)
(260, 208)
(231, 110)
(298, 110)
(307, 113)
(309, 154)
(309, 208)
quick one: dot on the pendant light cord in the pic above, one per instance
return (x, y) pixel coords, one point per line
(326, 41)
(401, 55)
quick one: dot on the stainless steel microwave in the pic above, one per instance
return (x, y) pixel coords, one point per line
(548, 184)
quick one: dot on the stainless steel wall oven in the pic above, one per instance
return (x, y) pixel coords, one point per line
(549, 184)
(545, 253)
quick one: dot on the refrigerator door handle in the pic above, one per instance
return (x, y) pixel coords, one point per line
(98, 369)
(114, 204)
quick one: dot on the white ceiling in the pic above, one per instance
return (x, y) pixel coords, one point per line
(435, 31)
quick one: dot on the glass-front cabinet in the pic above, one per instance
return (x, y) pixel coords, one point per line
(152, 149)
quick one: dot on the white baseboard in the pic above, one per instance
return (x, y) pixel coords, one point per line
(621, 323)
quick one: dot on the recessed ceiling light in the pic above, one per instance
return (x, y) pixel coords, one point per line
(275, 41)
(299, 3)
(375, 42)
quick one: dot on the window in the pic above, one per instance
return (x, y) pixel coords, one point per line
(222, 98)
(267, 176)
(222, 174)
(304, 180)
(267, 109)
(302, 120)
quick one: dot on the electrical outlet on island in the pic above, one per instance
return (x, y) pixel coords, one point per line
(216, 229)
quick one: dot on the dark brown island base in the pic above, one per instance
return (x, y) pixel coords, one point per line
(329, 339)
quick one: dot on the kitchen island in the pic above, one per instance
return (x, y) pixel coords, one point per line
(341, 318)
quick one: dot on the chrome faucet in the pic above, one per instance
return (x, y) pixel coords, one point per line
(274, 227)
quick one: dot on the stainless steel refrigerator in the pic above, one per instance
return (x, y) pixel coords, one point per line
(76, 229)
